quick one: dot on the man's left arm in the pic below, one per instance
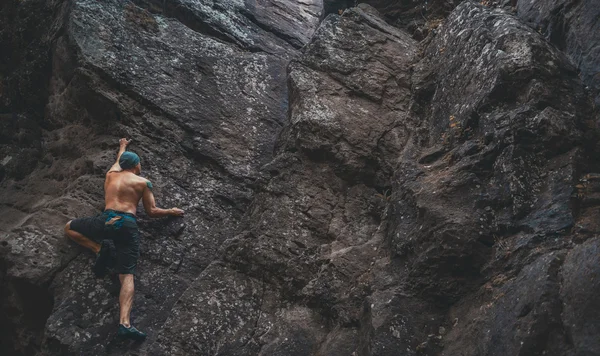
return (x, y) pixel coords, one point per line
(122, 147)
(150, 205)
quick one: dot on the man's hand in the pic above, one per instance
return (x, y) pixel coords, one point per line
(124, 142)
(177, 212)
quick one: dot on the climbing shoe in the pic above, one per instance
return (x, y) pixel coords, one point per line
(105, 258)
(130, 333)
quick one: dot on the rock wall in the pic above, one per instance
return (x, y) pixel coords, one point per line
(348, 190)
(572, 26)
(299, 273)
(487, 211)
(201, 89)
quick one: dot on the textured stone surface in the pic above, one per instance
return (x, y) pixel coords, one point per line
(348, 191)
(485, 203)
(580, 287)
(573, 27)
(203, 110)
(518, 316)
(313, 235)
(417, 17)
(497, 153)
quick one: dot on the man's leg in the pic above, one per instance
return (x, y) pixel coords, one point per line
(125, 303)
(128, 250)
(80, 239)
(126, 298)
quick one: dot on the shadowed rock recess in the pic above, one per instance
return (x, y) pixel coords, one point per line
(348, 190)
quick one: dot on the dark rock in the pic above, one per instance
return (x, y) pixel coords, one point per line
(493, 136)
(579, 294)
(313, 234)
(574, 28)
(269, 26)
(201, 89)
(520, 316)
(347, 190)
(417, 17)
(25, 62)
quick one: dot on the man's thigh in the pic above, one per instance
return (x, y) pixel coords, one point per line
(91, 227)
(128, 250)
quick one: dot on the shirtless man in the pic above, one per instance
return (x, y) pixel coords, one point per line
(123, 189)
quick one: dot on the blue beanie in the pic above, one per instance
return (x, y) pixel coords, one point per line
(129, 160)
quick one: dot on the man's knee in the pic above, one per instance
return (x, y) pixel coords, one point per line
(125, 276)
(126, 280)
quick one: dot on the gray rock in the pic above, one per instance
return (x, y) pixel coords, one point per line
(579, 291)
(313, 234)
(573, 27)
(493, 135)
(348, 191)
(203, 99)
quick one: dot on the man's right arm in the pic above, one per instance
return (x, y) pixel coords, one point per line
(150, 205)
(122, 147)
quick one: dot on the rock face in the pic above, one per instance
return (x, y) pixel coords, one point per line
(312, 235)
(573, 27)
(416, 17)
(348, 190)
(487, 211)
(203, 99)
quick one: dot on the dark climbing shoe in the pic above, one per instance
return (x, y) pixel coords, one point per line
(130, 333)
(105, 258)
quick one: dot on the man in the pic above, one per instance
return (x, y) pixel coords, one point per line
(123, 190)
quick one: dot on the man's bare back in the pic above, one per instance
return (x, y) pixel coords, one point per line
(123, 191)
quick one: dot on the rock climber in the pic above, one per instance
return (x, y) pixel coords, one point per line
(116, 229)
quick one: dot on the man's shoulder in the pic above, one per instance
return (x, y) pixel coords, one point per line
(149, 184)
(145, 182)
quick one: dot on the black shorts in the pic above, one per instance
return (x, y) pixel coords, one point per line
(125, 235)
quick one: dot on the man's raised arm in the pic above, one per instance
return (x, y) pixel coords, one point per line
(150, 205)
(122, 147)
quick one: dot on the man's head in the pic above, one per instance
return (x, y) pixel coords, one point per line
(130, 161)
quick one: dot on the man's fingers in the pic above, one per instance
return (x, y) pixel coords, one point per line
(178, 211)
